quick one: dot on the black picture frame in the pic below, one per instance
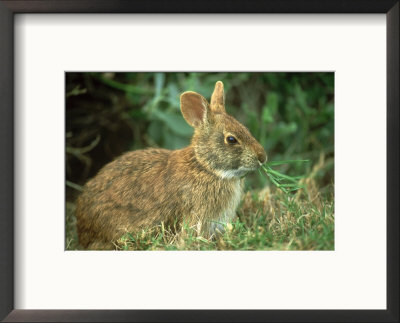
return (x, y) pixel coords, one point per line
(7, 11)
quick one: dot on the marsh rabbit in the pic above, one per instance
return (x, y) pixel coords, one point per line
(201, 184)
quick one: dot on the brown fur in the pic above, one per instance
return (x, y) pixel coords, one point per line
(197, 184)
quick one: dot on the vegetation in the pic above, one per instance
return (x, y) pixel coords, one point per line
(291, 114)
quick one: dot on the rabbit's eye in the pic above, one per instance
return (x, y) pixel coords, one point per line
(231, 140)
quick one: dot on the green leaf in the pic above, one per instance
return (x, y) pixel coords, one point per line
(272, 102)
(173, 96)
(121, 86)
(137, 114)
(284, 129)
(159, 79)
(175, 142)
(266, 115)
(174, 122)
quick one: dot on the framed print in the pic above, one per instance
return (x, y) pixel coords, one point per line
(262, 178)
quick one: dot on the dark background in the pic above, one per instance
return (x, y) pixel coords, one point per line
(290, 114)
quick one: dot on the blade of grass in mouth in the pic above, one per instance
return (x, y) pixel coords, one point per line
(285, 182)
(282, 162)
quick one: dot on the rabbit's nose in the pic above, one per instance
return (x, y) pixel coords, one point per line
(262, 156)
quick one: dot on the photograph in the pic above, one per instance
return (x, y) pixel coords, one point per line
(199, 161)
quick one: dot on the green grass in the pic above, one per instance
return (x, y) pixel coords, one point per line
(267, 220)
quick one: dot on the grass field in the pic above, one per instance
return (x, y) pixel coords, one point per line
(267, 219)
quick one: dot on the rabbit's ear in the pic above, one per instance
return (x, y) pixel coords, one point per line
(194, 108)
(218, 98)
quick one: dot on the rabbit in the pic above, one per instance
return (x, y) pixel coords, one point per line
(200, 184)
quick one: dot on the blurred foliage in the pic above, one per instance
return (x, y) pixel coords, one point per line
(290, 114)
